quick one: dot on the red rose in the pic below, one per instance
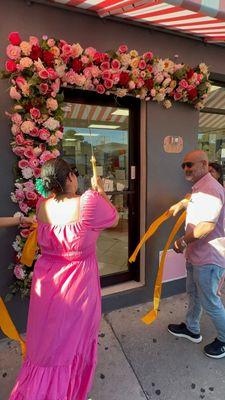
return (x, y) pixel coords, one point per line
(48, 58)
(14, 38)
(10, 66)
(124, 78)
(36, 53)
(77, 65)
(192, 94)
(100, 57)
(190, 73)
(149, 83)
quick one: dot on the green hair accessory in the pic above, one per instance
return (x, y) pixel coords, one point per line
(40, 188)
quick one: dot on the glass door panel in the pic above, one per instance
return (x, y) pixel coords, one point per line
(104, 130)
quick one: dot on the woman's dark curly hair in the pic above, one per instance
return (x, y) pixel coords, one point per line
(54, 174)
(218, 168)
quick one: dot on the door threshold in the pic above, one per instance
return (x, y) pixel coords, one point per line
(121, 287)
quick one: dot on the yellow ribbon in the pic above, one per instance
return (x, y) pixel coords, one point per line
(151, 315)
(8, 327)
(30, 247)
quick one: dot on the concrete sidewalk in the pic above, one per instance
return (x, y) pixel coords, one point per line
(142, 362)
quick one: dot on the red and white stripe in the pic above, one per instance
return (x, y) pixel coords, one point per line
(183, 15)
(94, 113)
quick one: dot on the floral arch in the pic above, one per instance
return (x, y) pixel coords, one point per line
(39, 69)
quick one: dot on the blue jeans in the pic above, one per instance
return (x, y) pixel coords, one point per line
(202, 284)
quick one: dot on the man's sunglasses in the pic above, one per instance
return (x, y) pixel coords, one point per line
(187, 164)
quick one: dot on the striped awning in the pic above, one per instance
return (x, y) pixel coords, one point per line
(201, 18)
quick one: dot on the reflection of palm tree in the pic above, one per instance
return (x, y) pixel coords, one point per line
(72, 134)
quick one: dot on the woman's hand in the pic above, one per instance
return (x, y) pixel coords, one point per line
(27, 220)
(97, 184)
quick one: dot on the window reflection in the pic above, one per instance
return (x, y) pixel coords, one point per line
(211, 133)
(102, 131)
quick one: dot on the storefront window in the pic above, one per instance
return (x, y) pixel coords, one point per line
(211, 133)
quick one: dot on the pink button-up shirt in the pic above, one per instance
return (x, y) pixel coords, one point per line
(207, 204)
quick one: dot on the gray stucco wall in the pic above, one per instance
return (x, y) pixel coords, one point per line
(164, 177)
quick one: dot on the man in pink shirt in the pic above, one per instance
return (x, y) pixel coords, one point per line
(204, 245)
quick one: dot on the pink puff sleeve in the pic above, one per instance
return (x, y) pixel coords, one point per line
(96, 213)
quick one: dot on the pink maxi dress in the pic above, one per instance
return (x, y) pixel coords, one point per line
(65, 307)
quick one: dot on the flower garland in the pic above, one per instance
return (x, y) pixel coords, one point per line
(39, 69)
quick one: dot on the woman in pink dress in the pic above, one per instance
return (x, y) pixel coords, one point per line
(65, 304)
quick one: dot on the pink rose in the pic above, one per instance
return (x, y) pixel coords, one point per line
(10, 66)
(59, 134)
(44, 134)
(19, 139)
(35, 113)
(142, 64)
(43, 74)
(55, 86)
(177, 96)
(33, 162)
(52, 104)
(52, 74)
(67, 50)
(19, 151)
(14, 94)
(24, 207)
(25, 232)
(19, 195)
(29, 152)
(31, 196)
(105, 66)
(29, 185)
(131, 85)
(148, 56)
(140, 83)
(34, 132)
(122, 49)
(14, 38)
(108, 83)
(106, 74)
(23, 164)
(17, 119)
(37, 172)
(116, 78)
(84, 60)
(33, 40)
(46, 155)
(183, 83)
(19, 272)
(89, 86)
(100, 89)
(53, 140)
(115, 64)
(15, 129)
(13, 52)
(27, 126)
(90, 51)
(43, 88)
(51, 42)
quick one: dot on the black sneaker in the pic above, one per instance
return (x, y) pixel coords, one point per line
(215, 349)
(182, 331)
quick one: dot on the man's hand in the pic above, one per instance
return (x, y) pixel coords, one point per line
(174, 210)
(179, 245)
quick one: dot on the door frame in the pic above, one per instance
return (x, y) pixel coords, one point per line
(133, 104)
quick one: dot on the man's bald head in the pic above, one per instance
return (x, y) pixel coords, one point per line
(195, 165)
(197, 155)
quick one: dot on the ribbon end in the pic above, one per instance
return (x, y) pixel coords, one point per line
(149, 317)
